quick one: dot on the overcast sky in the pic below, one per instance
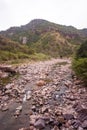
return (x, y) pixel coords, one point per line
(21, 12)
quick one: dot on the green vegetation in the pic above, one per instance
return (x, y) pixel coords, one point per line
(39, 40)
(10, 50)
(48, 38)
(80, 62)
(53, 45)
(15, 52)
(82, 51)
(8, 79)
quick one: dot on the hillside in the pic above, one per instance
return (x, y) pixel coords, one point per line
(54, 44)
(10, 50)
(47, 37)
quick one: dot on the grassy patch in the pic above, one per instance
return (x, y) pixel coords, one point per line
(9, 79)
(79, 63)
(39, 56)
(48, 80)
(80, 68)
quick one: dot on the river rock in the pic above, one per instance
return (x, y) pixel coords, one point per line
(82, 115)
(34, 108)
(31, 128)
(40, 124)
(80, 128)
(68, 83)
(41, 83)
(61, 119)
(19, 108)
(78, 107)
(76, 123)
(84, 124)
(4, 75)
(68, 116)
(33, 119)
(18, 111)
(5, 98)
(4, 107)
(55, 128)
(44, 109)
(28, 95)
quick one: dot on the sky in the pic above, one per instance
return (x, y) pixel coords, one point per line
(64, 12)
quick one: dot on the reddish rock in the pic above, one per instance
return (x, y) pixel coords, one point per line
(61, 119)
(41, 83)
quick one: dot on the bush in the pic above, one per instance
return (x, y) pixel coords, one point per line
(39, 57)
(80, 62)
(82, 51)
(80, 68)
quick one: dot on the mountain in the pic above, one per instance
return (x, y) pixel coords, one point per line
(41, 26)
(47, 37)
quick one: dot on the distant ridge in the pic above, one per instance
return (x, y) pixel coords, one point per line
(37, 23)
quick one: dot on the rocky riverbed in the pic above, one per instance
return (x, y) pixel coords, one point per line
(46, 96)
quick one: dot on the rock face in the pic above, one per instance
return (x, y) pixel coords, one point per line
(45, 96)
(24, 40)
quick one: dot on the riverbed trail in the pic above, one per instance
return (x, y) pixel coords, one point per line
(45, 96)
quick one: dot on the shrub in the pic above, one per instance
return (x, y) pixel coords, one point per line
(80, 68)
(80, 62)
(82, 51)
